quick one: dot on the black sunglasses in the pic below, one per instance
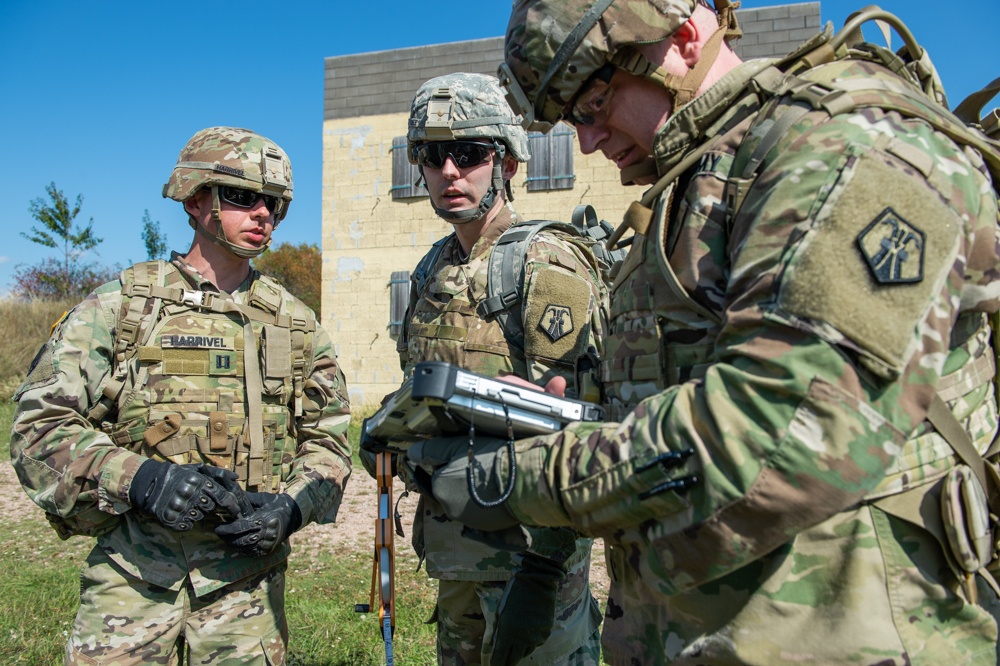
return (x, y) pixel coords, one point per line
(464, 153)
(248, 198)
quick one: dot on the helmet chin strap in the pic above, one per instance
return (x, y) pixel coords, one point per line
(486, 203)
(219, 238)
(684, 88)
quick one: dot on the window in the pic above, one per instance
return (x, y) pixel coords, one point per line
(551, 163)
(399, 299)
(404, 174)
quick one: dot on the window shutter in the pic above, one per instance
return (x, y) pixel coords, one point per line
(404, 174)
(399, 298)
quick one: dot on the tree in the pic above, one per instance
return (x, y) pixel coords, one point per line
(69, 276)
(156, 242)
(298, 267)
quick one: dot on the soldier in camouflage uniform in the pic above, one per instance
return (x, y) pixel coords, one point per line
(811, 274)
(468, 144)
(164, 396)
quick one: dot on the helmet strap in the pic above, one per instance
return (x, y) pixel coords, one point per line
(219, 238)
(486, 203)
(683, 88)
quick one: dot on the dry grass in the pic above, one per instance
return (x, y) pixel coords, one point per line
(24, 327)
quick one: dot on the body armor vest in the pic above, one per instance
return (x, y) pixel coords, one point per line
(444, 324)
(200, 377)
(658, 335)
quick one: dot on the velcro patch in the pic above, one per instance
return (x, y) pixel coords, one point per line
(181, 341)
(556, 314)
(872, 294)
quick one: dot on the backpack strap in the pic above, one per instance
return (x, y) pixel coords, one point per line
(505, 277)
(587, 225)
(422, 273)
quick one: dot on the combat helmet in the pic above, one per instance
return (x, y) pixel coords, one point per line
(231, 156)
(467, 106)
(554, 47)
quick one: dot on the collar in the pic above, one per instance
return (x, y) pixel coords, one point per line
(505, 218)
(701, 118)
(198, 281)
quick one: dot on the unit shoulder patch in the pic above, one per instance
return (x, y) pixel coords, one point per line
(556, 321)
(893, 248)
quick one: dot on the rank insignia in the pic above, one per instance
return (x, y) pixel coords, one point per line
(893, 248)
(556, 321)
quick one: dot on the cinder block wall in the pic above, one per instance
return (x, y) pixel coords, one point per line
(367, 235)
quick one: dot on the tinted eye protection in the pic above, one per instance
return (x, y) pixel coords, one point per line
(464, 153)
(248, 199)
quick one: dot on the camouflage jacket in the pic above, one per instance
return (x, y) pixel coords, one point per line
(70, 468)
(772, 386)
(441, 324)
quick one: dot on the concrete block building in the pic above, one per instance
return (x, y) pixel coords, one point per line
(377, 224)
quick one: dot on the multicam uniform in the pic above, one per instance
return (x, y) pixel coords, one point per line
(771, 369)
(183, 401)
(441, 324)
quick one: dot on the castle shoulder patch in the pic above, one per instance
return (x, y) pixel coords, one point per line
(893, 248)
(556, 321)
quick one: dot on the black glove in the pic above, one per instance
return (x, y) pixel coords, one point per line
(181, 495)
(527, 610)
(274, 519)
(447, 459)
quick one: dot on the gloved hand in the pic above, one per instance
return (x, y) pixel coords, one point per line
(527, 610)
(273, 520)
(446, 458)
(181, 495)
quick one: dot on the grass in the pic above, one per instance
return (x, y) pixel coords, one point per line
(39, 585)
(24, 326)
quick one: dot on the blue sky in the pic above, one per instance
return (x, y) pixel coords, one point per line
(99, 96)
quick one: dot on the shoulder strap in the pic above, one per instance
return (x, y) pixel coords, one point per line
(505, 273)
(505, 277)
(422, 273)
(138, 283)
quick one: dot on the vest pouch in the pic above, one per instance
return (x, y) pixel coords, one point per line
(634, 363)
(161, 442)
(276, 361)
(262, 469)
(993, 476)
(966, 517)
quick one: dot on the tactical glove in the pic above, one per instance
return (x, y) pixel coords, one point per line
(273, 520)
(527, 610)
(181, 495)
(448, 461)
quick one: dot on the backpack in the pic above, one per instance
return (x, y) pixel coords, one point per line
(505, 272)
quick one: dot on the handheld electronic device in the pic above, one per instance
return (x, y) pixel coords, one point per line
(440, 399)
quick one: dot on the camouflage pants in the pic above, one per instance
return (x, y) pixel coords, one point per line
(124, 621)
(466, 614)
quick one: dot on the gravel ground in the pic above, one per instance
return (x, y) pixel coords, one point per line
(353, 532)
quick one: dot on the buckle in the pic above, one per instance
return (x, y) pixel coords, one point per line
(195, 298)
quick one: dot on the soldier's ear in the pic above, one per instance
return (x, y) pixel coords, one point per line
(195, 204)
(510, 165)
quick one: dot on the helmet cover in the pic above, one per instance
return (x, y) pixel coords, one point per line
(234, 157)
(465, 106)
(553, 47)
